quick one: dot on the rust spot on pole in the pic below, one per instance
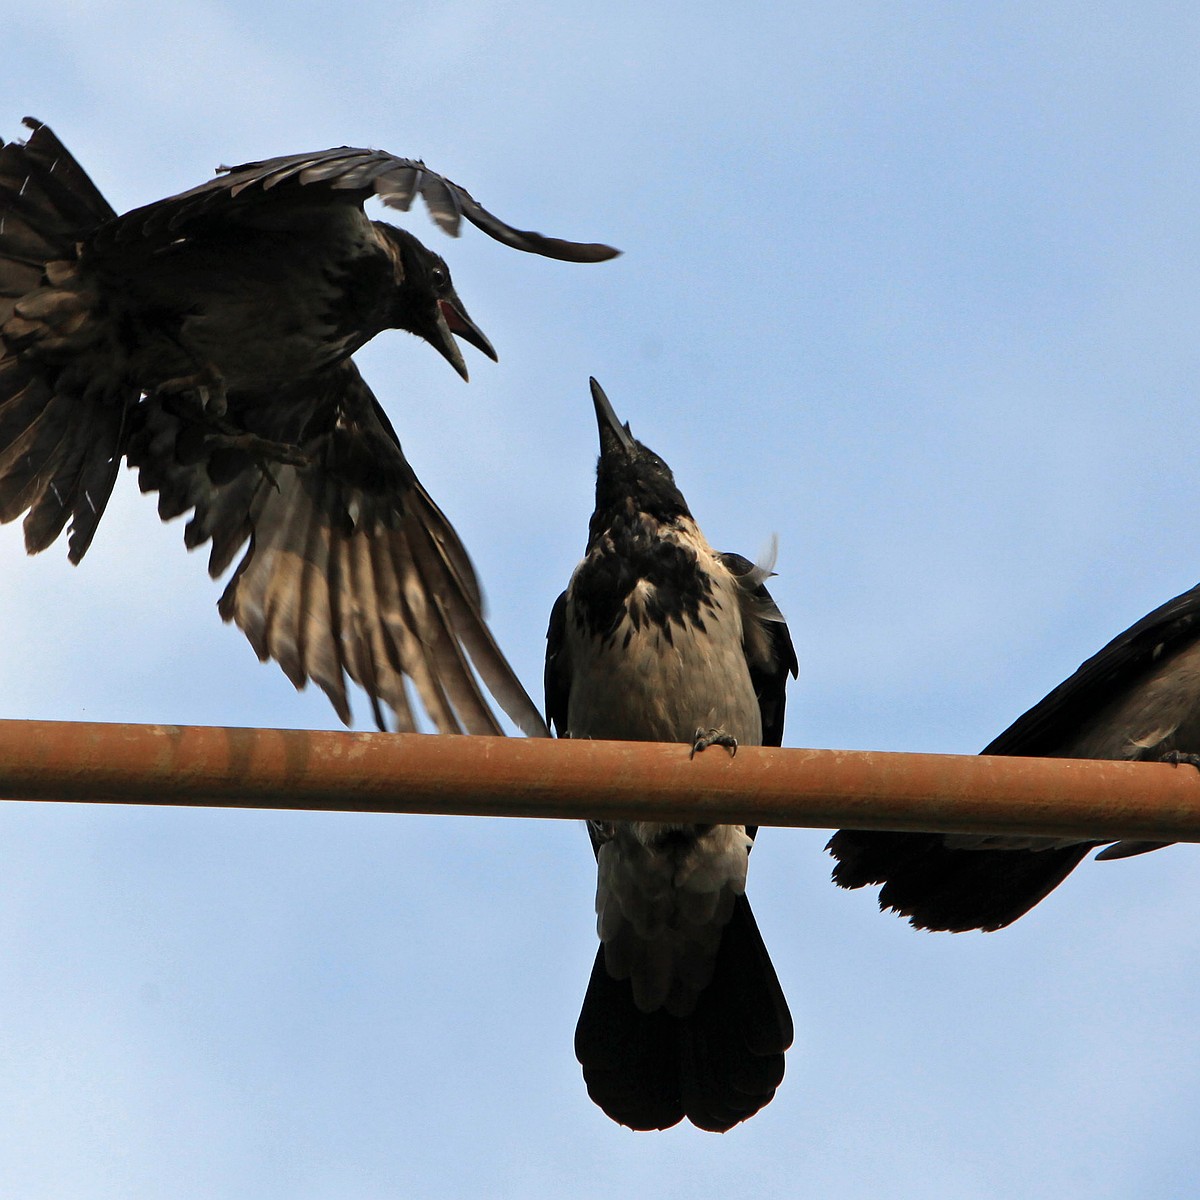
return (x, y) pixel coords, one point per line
(483, 776)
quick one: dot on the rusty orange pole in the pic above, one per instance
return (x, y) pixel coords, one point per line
(485, 776)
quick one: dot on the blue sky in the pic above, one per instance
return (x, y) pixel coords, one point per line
(915, 288)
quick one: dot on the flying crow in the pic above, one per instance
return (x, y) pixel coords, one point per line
(660, 638)
(1138, 699)
(208, 338)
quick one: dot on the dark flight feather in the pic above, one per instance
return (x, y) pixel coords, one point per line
(351, 571)
(341, 175)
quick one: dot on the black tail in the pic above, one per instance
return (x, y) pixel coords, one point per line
(716, 1067)
(941, 888)
(61, 429)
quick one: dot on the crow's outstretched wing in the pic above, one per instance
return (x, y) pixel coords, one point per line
(351, 569)
(342, 175)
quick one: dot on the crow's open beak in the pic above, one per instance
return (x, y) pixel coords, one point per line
(454, 322)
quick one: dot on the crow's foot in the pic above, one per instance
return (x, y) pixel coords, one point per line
(713, 737)
(205, 388)
(1178, 758)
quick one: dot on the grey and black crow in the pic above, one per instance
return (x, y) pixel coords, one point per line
(660, 638)
(207, 337)
(1138, 699)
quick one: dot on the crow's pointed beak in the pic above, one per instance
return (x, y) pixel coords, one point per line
(613, 435)
(454, 322)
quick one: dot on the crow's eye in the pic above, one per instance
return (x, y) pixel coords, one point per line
(438, 275)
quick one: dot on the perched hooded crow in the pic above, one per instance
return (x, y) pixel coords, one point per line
(660, 638)
(208, 338)
(1138, 699)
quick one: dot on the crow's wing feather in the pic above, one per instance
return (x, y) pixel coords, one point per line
(350, 570)
(1101, 679)
(557, 679)
(770, 654)
(341, 175)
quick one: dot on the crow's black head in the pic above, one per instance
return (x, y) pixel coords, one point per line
(630, 477)
(426, 303)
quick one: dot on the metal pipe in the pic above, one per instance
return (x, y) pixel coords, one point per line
(515, 777)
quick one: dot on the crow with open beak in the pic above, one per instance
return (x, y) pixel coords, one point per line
(660, 638)
(207, 337)
(1138, 699)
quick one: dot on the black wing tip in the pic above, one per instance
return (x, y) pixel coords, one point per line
(79, 543)
(564, 251)
(531, 728)
(597, 252)
(528, 240)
